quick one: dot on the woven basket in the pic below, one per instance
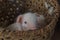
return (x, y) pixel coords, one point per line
(9, 11)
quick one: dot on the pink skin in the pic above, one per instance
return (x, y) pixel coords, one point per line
(19, 19)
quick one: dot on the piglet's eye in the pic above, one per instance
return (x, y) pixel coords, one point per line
(25, 22)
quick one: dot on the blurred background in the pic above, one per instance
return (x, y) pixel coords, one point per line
(56, 35)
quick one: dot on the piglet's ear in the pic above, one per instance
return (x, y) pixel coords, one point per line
(41, 19)
(19, 19)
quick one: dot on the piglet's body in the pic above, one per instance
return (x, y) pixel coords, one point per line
(15, 26)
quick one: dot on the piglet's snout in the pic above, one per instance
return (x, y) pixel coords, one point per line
(29, 27)
(32, 27)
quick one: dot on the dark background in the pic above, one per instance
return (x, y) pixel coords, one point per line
(56, 35)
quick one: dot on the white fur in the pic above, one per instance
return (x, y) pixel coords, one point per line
(15, 26)
(42, 17)
(50, 10)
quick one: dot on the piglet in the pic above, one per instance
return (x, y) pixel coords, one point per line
(27, 21)
(15, 27)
